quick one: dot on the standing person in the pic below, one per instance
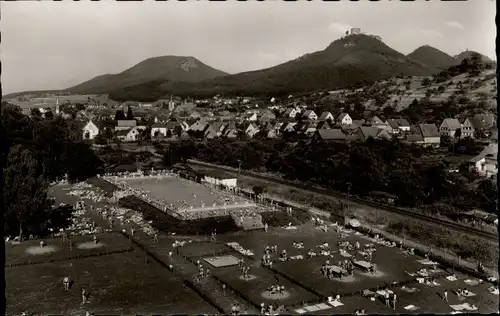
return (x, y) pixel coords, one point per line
(262, 308)
(445, 296)
(224, 288)
(266, 227)
(84, 296)
(95, 239)
(155, 237)
(66, 283)
(387, 299)
(394, 299)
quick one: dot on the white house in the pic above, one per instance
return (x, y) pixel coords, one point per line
(486, 163)
(251, 130)
(90, 130)
(344, 119)
(449, 126)
(130, 135)
(220, 178)
(251, 117)
(291, 112)
(158, 129)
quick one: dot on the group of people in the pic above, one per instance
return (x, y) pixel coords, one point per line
(276, 289)
(245, 272)
(271, 309)
(202, 273)
(390, 299)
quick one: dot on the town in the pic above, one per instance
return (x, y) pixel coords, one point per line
(353, 180)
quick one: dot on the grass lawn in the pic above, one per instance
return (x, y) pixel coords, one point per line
(118, 284)
(253, 290)
(81, 246)
(307, 273)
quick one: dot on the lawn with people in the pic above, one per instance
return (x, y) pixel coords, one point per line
(115, 284)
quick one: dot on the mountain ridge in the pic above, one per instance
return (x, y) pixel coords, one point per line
(433, 57)
(168, 67)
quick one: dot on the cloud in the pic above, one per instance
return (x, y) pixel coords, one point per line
(339, 27)
(454, 24)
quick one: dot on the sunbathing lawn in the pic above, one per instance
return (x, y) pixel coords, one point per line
(107, 243)
(118, 284)
(252, 290)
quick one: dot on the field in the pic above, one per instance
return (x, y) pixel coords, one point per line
(182, 193)
(51, 101)
(118, 284)
(82, 246)
(261, 279)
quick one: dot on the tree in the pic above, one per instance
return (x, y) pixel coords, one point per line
(258, 190)
(60, 217)
(49, 115)
(25, 194)
(35, 112)
(426, 82)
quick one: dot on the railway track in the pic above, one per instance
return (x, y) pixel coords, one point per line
(442, 222)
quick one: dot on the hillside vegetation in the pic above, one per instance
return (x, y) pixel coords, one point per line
(165, 68)
(354, 60)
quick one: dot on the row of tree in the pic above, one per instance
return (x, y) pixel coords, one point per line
(35, 152)
(406, 171)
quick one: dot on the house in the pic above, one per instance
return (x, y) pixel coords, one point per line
(325, 116)
(291, 112)
(195, 115)
(90, 130)
(214, 130)
(251, 117)
(467, 129)
(449, 127)
(344, 119)
(375, 121)
(430, 134)
(158, 129)
(334, 134)
(130, 135)
(277, 127)
(231, 133)
(216, 177)
(310, 115)
(365, 132)
(266, 116)
(199, 126)
(271, 133)
(398, 126)
(184, 126)
(250, 130)
(288, 127)
(122, 125)
(486, 163)
(323, 125)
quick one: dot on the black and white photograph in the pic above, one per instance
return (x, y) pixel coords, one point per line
(249, 157)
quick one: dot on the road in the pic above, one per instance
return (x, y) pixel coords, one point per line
(357, 201)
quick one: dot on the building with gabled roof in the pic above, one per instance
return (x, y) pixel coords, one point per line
(449, 127)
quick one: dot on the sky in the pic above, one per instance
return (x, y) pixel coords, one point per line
(54, 45)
